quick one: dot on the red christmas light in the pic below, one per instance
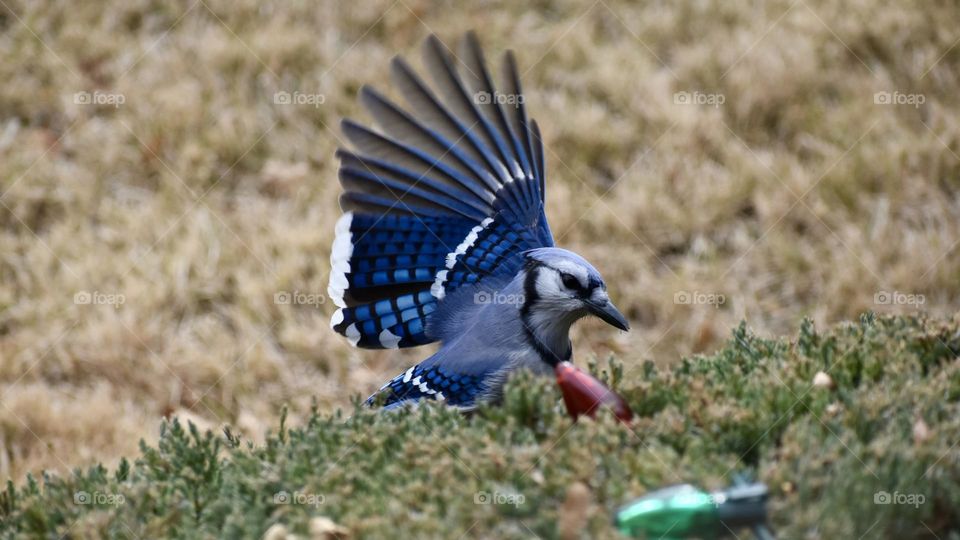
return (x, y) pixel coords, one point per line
(584, 394)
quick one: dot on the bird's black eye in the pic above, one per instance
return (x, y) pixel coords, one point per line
(570, 282)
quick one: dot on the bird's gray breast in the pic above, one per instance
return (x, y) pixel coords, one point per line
(492, 339)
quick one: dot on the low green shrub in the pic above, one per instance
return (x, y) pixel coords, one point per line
(871, 450)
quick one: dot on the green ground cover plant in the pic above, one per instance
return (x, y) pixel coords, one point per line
(854, 428)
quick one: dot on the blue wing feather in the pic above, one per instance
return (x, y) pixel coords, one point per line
(463, 106)
(449, 195)
(401, 126)
(482, 202)
(350, 177)
(488, 110)
(423, 163)
(434, 114)
(434, 383)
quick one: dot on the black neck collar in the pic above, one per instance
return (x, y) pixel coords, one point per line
(530, 298)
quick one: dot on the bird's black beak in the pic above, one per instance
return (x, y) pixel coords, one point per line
(609, 313)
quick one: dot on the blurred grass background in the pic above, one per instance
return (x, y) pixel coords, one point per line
(181, 213)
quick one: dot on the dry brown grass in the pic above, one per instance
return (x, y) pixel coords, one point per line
(199, 198)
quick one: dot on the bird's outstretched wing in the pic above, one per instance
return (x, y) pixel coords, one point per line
(448, 192)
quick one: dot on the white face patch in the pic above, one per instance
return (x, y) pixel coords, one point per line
(548, 283)
(551, 291)
(574, 269)
(555, 310)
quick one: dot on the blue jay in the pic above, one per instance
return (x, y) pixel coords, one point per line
(444, 236)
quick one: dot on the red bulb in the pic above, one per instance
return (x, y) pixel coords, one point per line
(584, 394)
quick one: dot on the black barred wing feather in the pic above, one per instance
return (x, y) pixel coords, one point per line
(434, 382)
(447, 192)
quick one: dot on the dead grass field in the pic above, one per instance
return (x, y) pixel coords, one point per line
(143, 243)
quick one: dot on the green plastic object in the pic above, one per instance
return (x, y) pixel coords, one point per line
(684, 511)
(673, 512)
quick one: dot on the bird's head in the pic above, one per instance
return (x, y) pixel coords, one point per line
(561, 287)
